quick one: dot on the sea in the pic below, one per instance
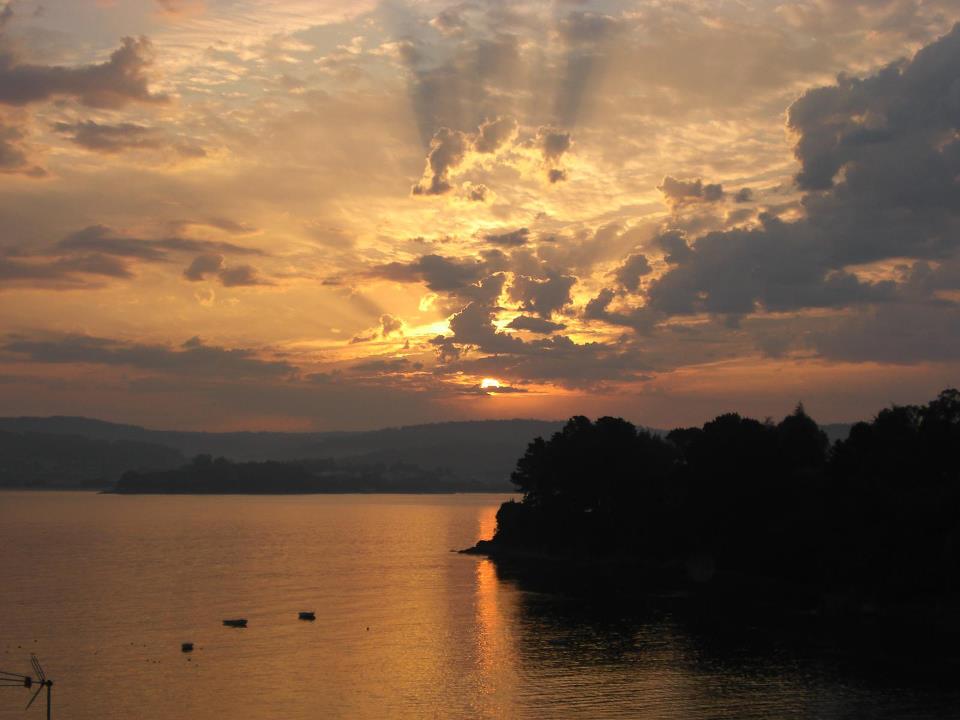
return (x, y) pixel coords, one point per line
(105, 589)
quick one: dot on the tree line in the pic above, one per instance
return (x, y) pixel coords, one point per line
(878, 511)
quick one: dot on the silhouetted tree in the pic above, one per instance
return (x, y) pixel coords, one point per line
(879, 511)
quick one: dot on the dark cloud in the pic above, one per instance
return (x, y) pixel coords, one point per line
(893, 333)
(439, 273)
(509, 239)
(13, 157)
(390, 325)
(241, 276)
(209, 265)
(678, 192)
(535, 324)
(542, 296)
(494, 133)
(473, 325)
(555, 175)
(447, 150)
(449, 22)
(553, 143)
(463, 84)
(203, 266)
(674, 245)
(478, 192)
(120, 80)
(61, 273)
(775, 268)
(561, 361)
(124, 136)
(588, 27)
(634, 267)
(102, 239)
(641, 319)
(449, 147)
(193, 357)
(894, 136)
(743, 195)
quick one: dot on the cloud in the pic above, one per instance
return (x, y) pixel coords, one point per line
(634, 267)
(543, 297)
(679, 192)
(440, 274)
(674, 245)
(102, 239)
(493, 134)
(192, 358)
(13, 155)
(478, 192)
(112, 84)
(641, 319)
(894, 136)
(776, 268)
(535, 324)
(473, 325)
(492, 390)
(447, 150)
(202, 266)
(553, 143)
(904, 333)
(110, 139)
(61, 273)
(390, 325)
(509, 239)
(241, 276)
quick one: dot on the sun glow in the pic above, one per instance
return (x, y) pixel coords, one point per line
(489, 384)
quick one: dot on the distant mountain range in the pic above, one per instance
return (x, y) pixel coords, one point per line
(65, 451)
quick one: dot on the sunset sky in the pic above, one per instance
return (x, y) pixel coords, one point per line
(311, 214)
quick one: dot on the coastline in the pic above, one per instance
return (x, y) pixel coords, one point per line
(922, 621)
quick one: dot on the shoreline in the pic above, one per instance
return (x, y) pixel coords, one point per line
(617, 579)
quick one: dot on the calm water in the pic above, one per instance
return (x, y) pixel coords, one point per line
(105, 588)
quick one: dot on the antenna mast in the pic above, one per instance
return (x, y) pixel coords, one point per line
(9, 679)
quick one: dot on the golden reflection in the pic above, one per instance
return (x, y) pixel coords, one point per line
(489, 625)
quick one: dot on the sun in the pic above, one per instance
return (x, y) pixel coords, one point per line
(489, 383)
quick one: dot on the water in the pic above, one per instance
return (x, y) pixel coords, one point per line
(105, 588)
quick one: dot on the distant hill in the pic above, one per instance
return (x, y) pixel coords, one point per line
(483, 451)
(45, 460)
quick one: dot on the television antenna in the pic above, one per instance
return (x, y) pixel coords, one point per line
(41, 681)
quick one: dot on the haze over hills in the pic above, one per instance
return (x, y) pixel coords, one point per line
(461, 452)
(64, 451)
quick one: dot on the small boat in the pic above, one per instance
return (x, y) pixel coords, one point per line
(307, 616)
(186, 647)
(238, 623)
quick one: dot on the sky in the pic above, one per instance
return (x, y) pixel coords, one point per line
(316, 214)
